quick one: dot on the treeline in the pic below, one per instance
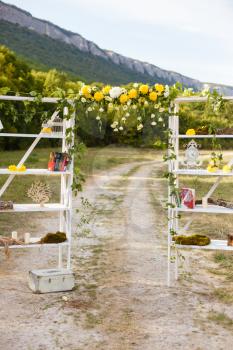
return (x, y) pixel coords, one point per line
(16, 77)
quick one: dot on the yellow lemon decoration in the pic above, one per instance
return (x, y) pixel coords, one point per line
(46, 130)
(153, 96)
(133, 93)
(190, 132)
(123, 98)
(12, 167)
(212, 169)
(226, 168)
(98, 96)
(106, 89)
(15, 168)
(21, 168)
(144, 89)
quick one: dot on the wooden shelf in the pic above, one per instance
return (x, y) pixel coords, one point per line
(36, 245)
(214, 245)
(42, 135)
(215, 209)
(34, 172)
(18, 208)
(202, 172)
(183, 136)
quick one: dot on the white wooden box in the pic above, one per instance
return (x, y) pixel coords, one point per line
(51, 280)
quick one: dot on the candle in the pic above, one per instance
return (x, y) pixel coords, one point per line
(14, 235)
(205, 202)
(27, 237)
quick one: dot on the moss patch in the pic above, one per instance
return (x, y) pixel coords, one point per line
(199, 240)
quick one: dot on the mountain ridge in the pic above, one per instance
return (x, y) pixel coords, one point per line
(143, 70)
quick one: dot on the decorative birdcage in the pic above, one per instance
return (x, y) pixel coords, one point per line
(54, 125)
(57, 125)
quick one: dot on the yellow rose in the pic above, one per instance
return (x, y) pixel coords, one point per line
(133, 93)
(190, 132)
(123, 98)
(153, 96)
(106, 89)
(85, 90)
(144, 89)
(160, 88)
(98, 96)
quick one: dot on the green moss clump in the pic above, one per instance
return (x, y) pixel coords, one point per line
(57, 237)
(200, 240)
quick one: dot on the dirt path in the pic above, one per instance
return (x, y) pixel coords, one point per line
(121, 300)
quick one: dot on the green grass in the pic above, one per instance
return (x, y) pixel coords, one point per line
(17, 190)
(104, 158)
(95, 160)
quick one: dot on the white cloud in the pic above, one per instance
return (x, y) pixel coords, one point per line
(213, 17)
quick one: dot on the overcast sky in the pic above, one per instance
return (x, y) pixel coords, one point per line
(191, 37)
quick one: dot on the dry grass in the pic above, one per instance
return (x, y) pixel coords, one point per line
(221, 319)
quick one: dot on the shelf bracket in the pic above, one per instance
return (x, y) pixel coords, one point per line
(213, 188)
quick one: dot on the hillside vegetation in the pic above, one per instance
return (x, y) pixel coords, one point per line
(42, 52)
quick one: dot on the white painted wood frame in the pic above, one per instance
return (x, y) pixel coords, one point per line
(64, 207)
(173, 166)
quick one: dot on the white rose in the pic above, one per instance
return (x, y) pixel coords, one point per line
(135, 85)
(167, 91)
(125, 108)
(161, 110)
(121, 128)
(139, 118)
(134, 107)
(114, 124)
(89, 109)
(139, 127)
(123, 119)
(83, 100)
(127, 115)
(153, 123)
(98, 117)
(115, 130)
(160, 119)
(115, 92)
(101, 110)
(108, 98)
(152, 116)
